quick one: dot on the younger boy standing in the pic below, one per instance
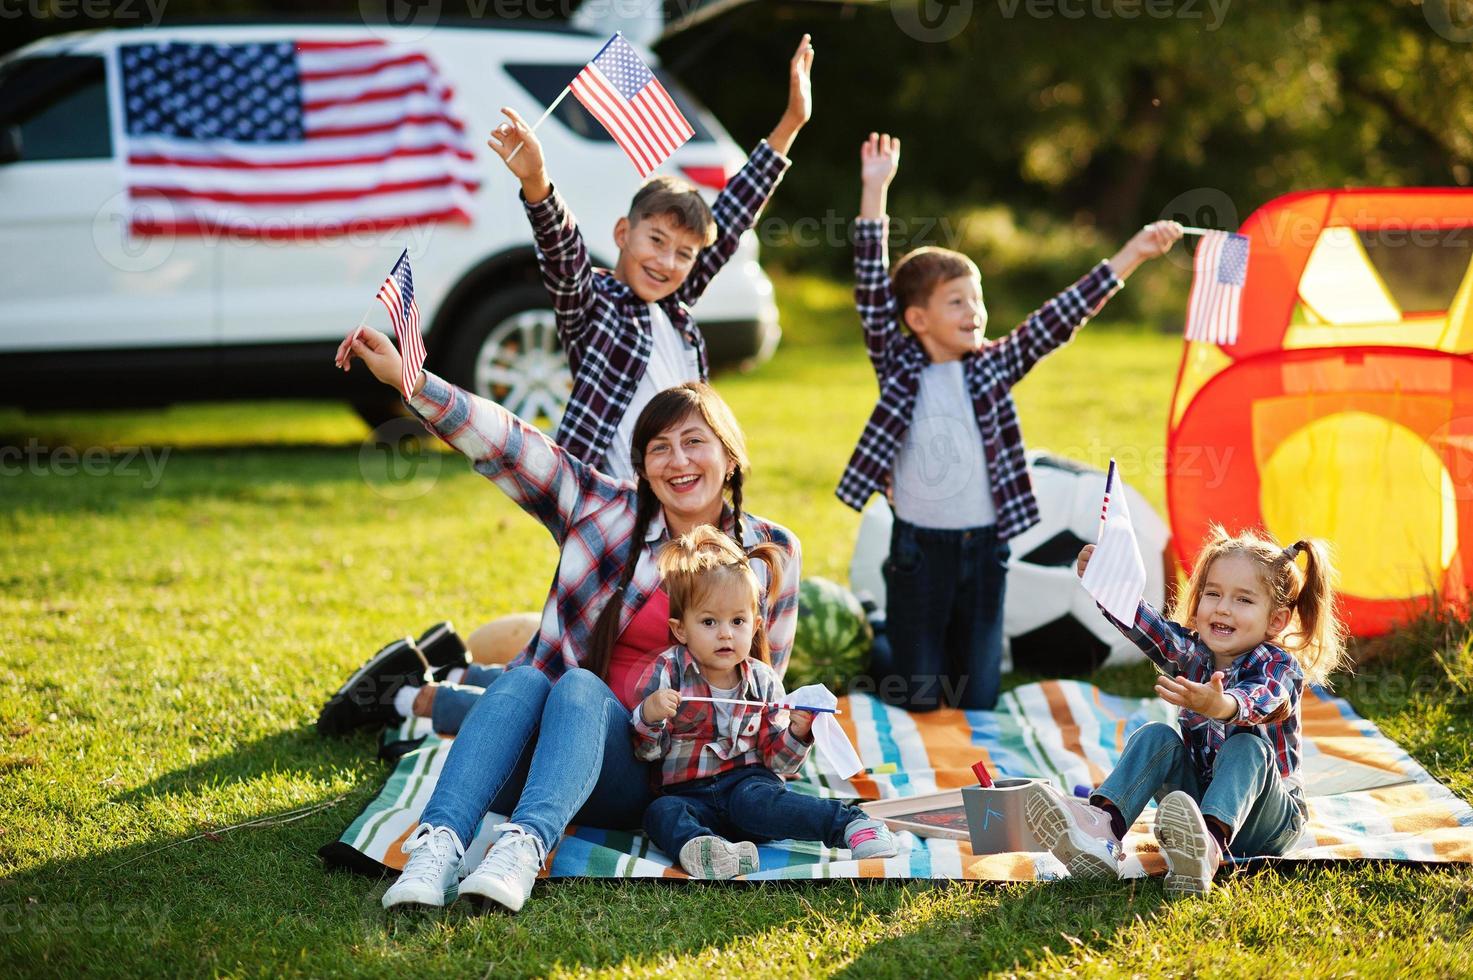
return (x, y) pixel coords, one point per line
(628, 331)
(943, 441)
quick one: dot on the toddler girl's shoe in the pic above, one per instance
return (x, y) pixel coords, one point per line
(870, 838)
(1192, 855)
(1075, 832)
(716, 858)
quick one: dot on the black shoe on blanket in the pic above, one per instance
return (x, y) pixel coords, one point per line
(443, 648)
(367, 699)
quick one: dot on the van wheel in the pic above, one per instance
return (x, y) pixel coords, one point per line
(507, 350)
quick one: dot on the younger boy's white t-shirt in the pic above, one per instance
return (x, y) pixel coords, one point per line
(672, 362)
(940, 475)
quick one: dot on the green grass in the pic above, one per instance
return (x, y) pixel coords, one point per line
(166, 647)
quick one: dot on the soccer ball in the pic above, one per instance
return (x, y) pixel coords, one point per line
(1050, 624)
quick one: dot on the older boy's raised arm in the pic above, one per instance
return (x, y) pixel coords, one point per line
(879, 159)
(741, 201)
(567, 270)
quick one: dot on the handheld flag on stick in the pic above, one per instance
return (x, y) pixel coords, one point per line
(1218, 272)
(397, 295)
(1116, 575)
(621, 92)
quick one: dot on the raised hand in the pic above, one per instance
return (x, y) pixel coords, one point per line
(879, 158)
(1083, 561)
(1152, 241)
(1205, 699)
(521, 151)
(375, 350)
(800, 98)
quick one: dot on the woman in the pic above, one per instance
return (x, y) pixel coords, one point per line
(604, 622)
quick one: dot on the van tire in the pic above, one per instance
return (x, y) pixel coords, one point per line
(506, 349)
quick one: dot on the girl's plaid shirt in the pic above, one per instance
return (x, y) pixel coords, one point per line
(605, 328)
(1266, 682)
(689, 744)
(591, 517)
(898, 359)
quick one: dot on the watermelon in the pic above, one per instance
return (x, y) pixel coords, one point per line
(833, 639)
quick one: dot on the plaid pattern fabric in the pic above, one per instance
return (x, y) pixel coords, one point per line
(689, 744)
(605, 328)
(898, 359)
(591, 517)
(1266, 682)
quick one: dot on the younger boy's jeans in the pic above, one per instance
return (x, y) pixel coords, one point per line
(751, 803)
(943, 610)
(1245, 794)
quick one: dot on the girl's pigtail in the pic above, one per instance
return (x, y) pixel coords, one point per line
(1320, 635)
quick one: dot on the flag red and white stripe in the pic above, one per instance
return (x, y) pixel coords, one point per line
(621, 92)
(1116, 575)
(1220, 269)
(289, 140)
(397, 295)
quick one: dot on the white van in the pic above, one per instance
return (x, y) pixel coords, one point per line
(93, 316)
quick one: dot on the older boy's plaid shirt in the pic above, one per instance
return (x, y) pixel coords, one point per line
(690, 745)
(1266, 682)
(898, 360)
(605, 328)
(591, 517)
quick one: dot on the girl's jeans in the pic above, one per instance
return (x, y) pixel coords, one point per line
(584, 771)
(1245, 794)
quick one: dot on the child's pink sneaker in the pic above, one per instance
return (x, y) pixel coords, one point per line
(1192, 855)
(870, 838)
(1077, 833)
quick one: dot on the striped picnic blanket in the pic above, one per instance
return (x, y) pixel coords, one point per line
(1367, 797)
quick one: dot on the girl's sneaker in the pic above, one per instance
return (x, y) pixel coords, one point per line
(434, 864)
(1192, 855)
(506, 874)
(870, 838)
(716, 858)
(1075, 832)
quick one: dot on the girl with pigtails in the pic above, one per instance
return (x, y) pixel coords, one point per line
(1250, 629)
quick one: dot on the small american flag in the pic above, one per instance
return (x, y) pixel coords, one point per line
(397, 295)
(621, 92)
(1116, 575)
(1220, 269)
(291, 140)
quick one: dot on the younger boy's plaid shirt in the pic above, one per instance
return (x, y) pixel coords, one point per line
(591, 517)
(689, 744)
(1266, 682)
(898, 359)
(605, 328)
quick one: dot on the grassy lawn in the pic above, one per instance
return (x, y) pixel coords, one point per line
(169, 639)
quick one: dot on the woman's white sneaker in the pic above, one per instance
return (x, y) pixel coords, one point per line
(433, 866)
(506, 874)
(1192, 855)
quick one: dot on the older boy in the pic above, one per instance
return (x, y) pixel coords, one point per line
(944, 443)
(628, 331)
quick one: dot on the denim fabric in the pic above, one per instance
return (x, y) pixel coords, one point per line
(454, 701)
(586, 774)
(752, 804)
(1245, 793)
(944, 601)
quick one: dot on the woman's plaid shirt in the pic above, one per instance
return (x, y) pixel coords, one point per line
(605, 328)
(690, 746)
(1266, 682)
(591, 517)
(898, 360)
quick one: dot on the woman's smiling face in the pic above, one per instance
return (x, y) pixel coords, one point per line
(687, 466)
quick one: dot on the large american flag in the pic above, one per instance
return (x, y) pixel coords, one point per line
(1219, 271)
(397, 295)
(621, 92)
(288, 139)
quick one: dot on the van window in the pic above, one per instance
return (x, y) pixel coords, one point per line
(545, 82)
(59, 105)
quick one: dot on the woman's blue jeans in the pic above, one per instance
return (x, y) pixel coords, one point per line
(1245, 794)
(584, 771)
